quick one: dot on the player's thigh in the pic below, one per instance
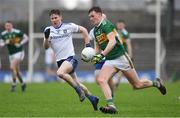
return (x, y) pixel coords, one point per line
(14, 64)
(132, 76)
(106, 72)
(66, 67)
(15, 59)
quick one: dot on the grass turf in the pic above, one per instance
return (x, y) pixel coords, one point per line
(60, 100)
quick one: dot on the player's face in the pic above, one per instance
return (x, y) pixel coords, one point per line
(120, 25)
(95, 17)
(55, 20)
(8, 26)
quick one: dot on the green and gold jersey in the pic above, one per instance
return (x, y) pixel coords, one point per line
(124, 36)
(100, 35)
(14, 37)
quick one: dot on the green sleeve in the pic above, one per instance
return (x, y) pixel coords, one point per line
(108, 28)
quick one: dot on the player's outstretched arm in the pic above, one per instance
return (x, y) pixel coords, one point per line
(85, 34)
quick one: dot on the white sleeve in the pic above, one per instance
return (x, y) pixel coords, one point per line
(25, 39)
(74, 27)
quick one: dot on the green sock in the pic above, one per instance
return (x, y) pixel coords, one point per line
(110, 102)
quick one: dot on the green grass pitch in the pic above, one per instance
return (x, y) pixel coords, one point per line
(60, 100)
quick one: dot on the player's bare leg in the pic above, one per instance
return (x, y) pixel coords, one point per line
(93, 99)
(112, 86)
(110, 82)
(105, 74)
(14, 75)
(63, 72)
(137, 83)
(13, 86)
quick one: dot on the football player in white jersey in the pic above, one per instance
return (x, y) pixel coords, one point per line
(59, 38)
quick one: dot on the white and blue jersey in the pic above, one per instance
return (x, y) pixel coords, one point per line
(60, 40)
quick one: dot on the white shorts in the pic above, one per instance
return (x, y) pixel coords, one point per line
(18, 56)
(123, 63)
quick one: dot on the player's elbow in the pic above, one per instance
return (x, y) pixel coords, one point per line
(84, 31)
(46, 46)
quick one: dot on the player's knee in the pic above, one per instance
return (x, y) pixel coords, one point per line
(60, 74)
(12, 68)
(100, 81)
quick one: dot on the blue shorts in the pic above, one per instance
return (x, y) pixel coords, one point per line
(99, 65)
(70, 59)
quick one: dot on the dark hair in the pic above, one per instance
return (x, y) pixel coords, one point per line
(121, 21)
(96, 9)
(8, 21)
(55, 11)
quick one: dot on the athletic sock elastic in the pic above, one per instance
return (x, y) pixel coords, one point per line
(14, 82)
(110, 102)
(78, 89)
(90, 97)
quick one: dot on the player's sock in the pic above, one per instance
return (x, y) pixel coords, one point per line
(14, 81)
(80, 93)
(110, 102)
(94, 101)
(23, 87)
(20, 78)
(78, 89)
(13, 86)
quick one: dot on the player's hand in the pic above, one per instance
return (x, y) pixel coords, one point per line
(7, 41)
(88, 45)
(2, 43)
(97, 58)
(84, 60)
(17, 45)
(47, 33)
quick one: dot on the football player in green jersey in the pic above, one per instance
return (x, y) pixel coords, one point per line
(14, 39)
(124, 34)
(111, 47)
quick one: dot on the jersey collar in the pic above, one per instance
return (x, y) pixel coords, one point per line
(100, 22)
(58, 26)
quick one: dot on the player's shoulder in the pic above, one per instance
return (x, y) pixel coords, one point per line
(16, 30)
(69, 24)
(106, 22)
(48, 27)
(4, 32)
